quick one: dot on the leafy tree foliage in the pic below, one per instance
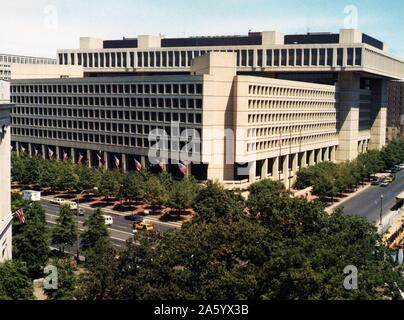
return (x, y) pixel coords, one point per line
(15, 283)
(96, 230)
(66, 281)
(183, 193)
(64, 234)
(31, 240)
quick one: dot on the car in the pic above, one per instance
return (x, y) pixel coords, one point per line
(143, 226)
(72, 205)
(390, 179)
(384, 183)
(401, 166)
(58, 201)
(134, 217)
(375, 182)
(80, 212)
(108, 220)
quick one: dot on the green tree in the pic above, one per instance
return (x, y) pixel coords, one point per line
(67, 178)
(15, 283)
(213, 203)
(325, 185)
(31, 240)
(64, 234)
(133, 185)
(95, 230)
(183, 193)
(88, 178)
(110, 183)
(156, 192)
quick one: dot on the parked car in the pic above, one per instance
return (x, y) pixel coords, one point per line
(108, 220)
(57, 201)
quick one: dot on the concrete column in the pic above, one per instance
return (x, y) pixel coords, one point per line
(264, 169)
(348, 116)
(294, 162)
(285, 166)
(30, 150)
(143, 161)
(312, 162)
(89, 159)
(275, 168)
(124, 163)
(252, 168)
(17, 148)
(332, 159)
(73, 154)
(379, 114)
(319, 158)
(43, 149)
(106, 162)
(304, 160)
(57, 152)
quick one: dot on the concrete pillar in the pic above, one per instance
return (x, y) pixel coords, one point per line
(332, 158)
(30, 150)
(57, 152)
(106, 162)
(89, 159)
(348, 116)
(43, 150)
(252, 168)
(264, 169)
(312, 162)
(143, 161)
(285, 166)
(379, 114)
(124, 163)
(73, 154)
(17, 148)
(319, 158)
(304, 160)
(275, 168)
(294, 162)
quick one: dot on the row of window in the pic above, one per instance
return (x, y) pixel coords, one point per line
(26, 60)
(184, 118)
(245, 58)
(292, 104)
(297, 129)
(288, 92)
(272, 144)
(167, 103)
(116, 140)
(287, 117)
(169, 89)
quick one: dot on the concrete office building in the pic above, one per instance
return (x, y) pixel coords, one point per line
(5, 181)
(292, 100)
(7, 61)
(395, 113)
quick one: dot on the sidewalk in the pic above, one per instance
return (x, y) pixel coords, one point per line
(123, 215)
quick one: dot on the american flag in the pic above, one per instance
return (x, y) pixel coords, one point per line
(117, 162)
(50, 152)
(65, 155)
(161, 165)
(80, 158)
(138, 165)
(36, 151)
(20, 215)
(22, 149)
(183, 169)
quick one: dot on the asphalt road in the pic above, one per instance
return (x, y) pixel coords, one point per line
(121, 230)
(367, 204)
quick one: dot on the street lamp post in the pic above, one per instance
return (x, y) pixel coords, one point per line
(78, 220)
(381, 210)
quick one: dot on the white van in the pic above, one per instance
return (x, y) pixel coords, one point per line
(31, 195)
(72, 205)
(108, 220)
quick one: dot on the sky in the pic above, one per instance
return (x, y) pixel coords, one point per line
(40, 27)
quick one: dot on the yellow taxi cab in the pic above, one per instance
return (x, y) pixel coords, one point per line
(143, 226)
(17, 192)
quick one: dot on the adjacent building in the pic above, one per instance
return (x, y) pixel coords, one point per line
(263, 105)
(7, 61)
(5, 181)
(395, 114)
